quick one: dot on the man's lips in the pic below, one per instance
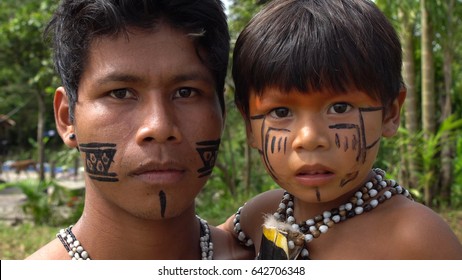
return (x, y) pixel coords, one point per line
(158, 173)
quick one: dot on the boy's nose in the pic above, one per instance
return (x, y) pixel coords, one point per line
(310, 135)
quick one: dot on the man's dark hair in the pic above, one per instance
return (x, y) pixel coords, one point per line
(76, 23)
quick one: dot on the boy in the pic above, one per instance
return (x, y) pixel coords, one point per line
(318, 84)
(143, 102)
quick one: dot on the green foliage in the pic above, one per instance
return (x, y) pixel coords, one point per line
(428, 155)
(48, 203)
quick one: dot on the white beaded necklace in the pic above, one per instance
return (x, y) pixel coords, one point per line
(77, 252)
(365, 199)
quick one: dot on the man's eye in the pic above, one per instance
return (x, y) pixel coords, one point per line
(185, 92)
(122, 93)
(340, 108)
(280, 113)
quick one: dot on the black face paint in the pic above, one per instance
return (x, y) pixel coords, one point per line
(272, 142)
(348, 178)
(208, 151)
(318, 194)
(163, 203)
(98, 160)
(358, 139)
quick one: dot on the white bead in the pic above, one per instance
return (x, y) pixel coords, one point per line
(374, 203)
(360, 202)
(291, 219)
(359, 210)
(291, 244)
(392, 182)
(237, 227)
(295, 226)
(336, 218)
(373, 192)
(341, 207)
(348, 206)
(387, 194)
(290, 204)
(282, 206)
(308, 237)
(327, 214)
(305, 253)
(359, 194)
(383, 184)
(287, 196)
(399, 189)
(84, 255)
(80, 249)
(323, 228)
(76, 243)
(241, 236)
(379, 177)
(249, 243)
(326, 220)
(369, 185)
(309, 222)
(71, 253)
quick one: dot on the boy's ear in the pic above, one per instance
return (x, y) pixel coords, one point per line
(62, 118)
(392, 117)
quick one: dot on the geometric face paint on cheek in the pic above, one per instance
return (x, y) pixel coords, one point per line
(208, 151)
(353, 136)
(274, 141)
(98, 160)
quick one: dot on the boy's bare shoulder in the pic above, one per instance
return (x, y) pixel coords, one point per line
(417, 232)
(227, 247)
(54, 250)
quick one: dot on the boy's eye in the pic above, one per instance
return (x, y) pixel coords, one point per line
(185, 93)
(339, 108)
(280, 112)
(122, 93)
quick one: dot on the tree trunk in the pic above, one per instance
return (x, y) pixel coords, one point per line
(448, 145)
(40, 129)
(428, 96)
(411, 118)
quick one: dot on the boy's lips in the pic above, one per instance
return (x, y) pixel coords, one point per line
(314, 175)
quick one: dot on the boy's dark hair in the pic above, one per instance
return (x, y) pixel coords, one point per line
(76, 23)
(314, 45)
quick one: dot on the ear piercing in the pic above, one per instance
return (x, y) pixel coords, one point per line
(72, 136)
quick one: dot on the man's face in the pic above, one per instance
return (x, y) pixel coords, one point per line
(148, 121)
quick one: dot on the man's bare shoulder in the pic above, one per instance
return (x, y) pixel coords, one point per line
(54, 250)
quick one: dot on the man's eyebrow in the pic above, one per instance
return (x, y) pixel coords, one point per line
(193, 76)
(118, 77)
(178, 78)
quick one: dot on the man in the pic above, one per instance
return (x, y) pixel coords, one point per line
(143, 102)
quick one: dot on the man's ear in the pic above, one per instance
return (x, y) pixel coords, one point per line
(62, 118)
(392, 114)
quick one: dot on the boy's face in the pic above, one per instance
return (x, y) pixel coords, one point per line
(318, 146)
(147, 123)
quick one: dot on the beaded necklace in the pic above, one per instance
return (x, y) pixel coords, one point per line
(365, 199)
(77, 252)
